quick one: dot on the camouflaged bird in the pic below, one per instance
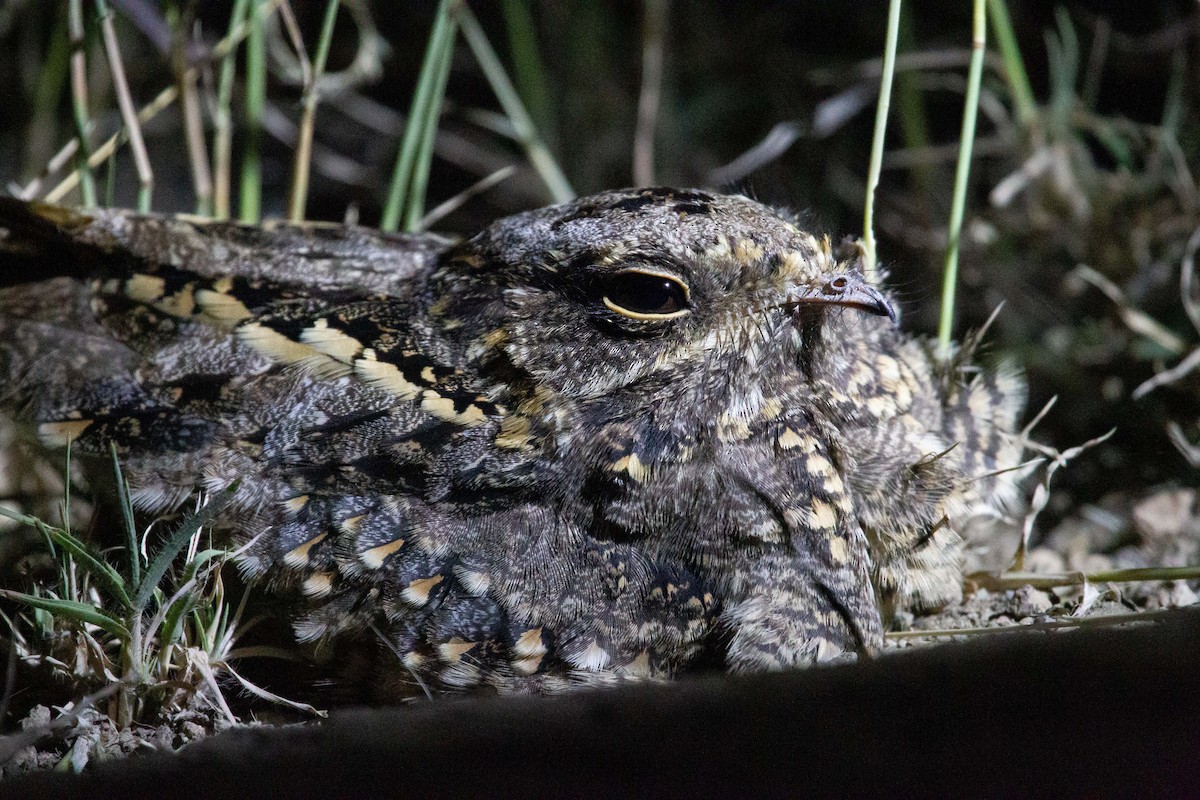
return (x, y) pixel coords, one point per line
(626, 436)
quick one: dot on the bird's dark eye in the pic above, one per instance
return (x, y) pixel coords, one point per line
(646, 295)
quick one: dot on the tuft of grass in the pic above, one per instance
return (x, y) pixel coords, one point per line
(213, 172)
(154, 638)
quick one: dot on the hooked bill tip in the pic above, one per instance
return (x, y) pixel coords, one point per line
(886, 309)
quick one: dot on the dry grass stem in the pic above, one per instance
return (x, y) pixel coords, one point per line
(129, 115)
(1052, 580)
(448, 207)
(1098, 621)
(193, 126)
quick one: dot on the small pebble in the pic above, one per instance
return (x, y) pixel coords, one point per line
(1031, 602)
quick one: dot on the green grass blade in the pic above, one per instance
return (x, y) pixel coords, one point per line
(881, 116)
(110, 180)
(80, 612)
(79, 110)
(200, 562)
(250, 180)
(529, 71)
(1014, 65)
(131, 537)
(406, 158)
(171, 631)
(186, 598)
(1175, 102)
(961, 176)
(1062, 57)
(53, 77)
(535, 150)
(66, 509)
(913, 116)
(415, 208)
(174, 545)
(90, 562)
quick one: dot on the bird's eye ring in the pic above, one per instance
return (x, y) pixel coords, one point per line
(644, 294)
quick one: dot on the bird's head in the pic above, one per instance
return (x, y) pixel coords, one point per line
(657, 285)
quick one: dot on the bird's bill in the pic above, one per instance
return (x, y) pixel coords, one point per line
(847, 289)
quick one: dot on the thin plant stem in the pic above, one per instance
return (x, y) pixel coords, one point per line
(1014, 65)
(132, 673)
(222, 156)
(961, 176)
(535, 149)
(309, 101)
(288, 18)
(193, 123)
(65, 153)
(529, 71)
(250, 178)
(79, 101)
(1097, 621)
(1038, 580)
(650, 98)
(881, 116)
(67, 491)
(454, 203)
(398, 197)
(415, 210)
(129, 116)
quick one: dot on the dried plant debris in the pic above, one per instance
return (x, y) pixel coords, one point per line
(1109, 563)
(73, 736)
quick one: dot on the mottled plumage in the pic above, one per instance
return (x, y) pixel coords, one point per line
(625, 436)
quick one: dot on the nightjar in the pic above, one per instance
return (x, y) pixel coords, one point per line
(628, 436)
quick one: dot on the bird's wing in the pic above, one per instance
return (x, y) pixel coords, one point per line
(285, 362)
(43, 241)
(149, 331)
(210, 352)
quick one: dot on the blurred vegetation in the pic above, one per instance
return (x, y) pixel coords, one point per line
(775, 99)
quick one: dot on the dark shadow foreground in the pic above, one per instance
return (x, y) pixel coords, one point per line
(1089, 713)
